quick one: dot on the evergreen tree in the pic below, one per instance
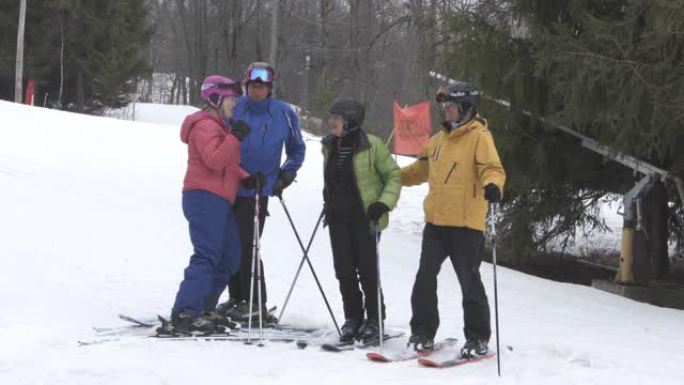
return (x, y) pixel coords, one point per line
(610, 69)
(91, 50)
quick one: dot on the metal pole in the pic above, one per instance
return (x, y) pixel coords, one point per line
(251, 275)
(377, 257)
(256, 260)
(305, 258)
(19, 68)
(492, 212)
(258, 269)
(301, 263)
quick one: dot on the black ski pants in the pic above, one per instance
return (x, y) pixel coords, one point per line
(238, 287)
(464, 247)
(355, 261)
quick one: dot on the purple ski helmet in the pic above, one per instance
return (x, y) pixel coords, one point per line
(215, 88)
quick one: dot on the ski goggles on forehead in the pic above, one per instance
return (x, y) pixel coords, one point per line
(235, 87)
(260, 74)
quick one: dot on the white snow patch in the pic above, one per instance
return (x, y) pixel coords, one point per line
(92, 226)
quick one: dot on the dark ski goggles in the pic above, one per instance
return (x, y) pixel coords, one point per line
(235, 87)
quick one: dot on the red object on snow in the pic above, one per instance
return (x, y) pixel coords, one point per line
(30, 91)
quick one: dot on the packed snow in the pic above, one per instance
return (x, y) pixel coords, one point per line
(92, 226)
(152, 113)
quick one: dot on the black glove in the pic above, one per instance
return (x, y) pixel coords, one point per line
(239, 128)
(254, 180)
(284, 180)
(376, 210)
(492, 193)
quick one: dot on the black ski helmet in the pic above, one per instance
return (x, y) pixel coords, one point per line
(350, 110)
(466, 95)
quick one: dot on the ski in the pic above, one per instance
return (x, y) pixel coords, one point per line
(271, 335)
(407, 354)
(144, 323)
(450, 363)
(135, 321)
(227, 337)
(345, 346)
(139, 328)
(337, 346)
(133, 324)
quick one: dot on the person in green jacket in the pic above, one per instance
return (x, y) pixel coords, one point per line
(361, 185)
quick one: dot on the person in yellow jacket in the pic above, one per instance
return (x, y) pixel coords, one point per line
(463, 170)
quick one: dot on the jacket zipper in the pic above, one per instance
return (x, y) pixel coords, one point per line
(223, 171)
(453, 166)
(435, 154)
(264, 128)
(356, 184)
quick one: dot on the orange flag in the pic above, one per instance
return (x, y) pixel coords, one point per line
(412, 128)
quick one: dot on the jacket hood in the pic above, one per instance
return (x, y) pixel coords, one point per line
(194, 118)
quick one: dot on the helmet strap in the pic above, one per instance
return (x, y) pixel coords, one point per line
(215, 100)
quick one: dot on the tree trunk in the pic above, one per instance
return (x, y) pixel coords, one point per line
(174, 86)
(61, 61)
(259, 53)
(275, 10)
(80, 90)
(19, 74)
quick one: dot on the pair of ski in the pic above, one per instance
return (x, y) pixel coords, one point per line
(283, 333)
(424, 358)
(348, 345)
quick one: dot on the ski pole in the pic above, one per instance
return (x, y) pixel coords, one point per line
(258, 269)
(492, 209)
(306, 252)
(377, 257)
(255, 260)
(305, 258)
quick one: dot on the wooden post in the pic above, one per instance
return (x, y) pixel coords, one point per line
(625, 272)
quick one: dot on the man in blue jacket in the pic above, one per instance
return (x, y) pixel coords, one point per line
(274, 125)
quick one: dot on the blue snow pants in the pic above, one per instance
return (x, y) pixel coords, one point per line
(216, 256)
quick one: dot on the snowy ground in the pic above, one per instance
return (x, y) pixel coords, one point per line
(152, 113)
(92, 226)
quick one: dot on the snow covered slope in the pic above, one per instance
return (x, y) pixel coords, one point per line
(153, 113)
(92, 226)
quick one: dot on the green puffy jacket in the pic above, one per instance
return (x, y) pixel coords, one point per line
(378, 177)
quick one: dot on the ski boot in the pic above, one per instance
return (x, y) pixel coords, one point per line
(220, 320)
(226, 307)
(350, 331)
(474, 348)
(240, 313)
(420, 343)
(183, 324)
(369, 334)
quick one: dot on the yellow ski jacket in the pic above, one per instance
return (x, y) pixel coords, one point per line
(457, 165)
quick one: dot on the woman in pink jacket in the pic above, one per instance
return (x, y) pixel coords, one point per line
(209, 190)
